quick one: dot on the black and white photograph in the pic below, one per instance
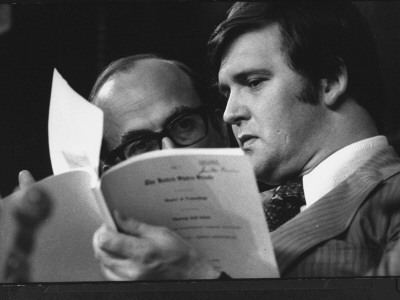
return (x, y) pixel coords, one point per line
(279, 127)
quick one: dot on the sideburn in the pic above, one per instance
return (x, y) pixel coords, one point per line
(310, 93)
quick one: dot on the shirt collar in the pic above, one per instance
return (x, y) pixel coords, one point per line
(338, 167)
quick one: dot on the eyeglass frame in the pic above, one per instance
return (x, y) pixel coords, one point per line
(159, 135)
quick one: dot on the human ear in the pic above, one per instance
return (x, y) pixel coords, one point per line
(334, 88)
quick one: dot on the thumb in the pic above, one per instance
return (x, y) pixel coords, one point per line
(34, 206)
(132, 226)
(25, 179)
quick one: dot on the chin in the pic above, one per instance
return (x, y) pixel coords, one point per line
(262, 172)
(258, 171)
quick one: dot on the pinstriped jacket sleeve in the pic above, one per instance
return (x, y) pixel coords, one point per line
(352, 231)
(388, 214)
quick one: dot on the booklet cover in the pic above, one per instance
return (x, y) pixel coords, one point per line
(208, 196)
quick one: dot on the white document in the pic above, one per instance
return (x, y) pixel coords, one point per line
(75, 134)
(75, 129)
(208, 196)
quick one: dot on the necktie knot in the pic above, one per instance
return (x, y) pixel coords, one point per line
(284, 204)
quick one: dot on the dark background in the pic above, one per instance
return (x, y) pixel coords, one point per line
(80, 39)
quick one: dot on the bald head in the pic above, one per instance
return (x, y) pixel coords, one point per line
(142, 96)
(132, 98)
(147, 76)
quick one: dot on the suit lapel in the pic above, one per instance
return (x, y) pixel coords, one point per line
(333, 213)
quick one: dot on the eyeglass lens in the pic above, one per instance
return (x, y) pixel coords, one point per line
(184, 132)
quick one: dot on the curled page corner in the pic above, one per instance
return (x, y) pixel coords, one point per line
(75, 129)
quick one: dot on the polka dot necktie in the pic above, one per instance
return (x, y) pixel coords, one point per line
(284, 204)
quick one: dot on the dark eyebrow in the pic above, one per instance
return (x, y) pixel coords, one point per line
(242, 76)
(133, 134)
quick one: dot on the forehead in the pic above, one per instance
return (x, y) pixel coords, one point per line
(143, 97)
(253, 49)
(148, 82)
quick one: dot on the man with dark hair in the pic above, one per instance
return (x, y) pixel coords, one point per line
(151, 103)
(303, 89)
(326, 48)
(316, 39)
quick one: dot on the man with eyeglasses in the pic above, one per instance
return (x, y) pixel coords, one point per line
(151, 103)
(185, 127)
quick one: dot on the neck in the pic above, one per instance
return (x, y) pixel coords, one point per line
(348, 124)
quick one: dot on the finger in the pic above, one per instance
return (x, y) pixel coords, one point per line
(33, 206)
(102, 247)
(100, 243)
(122, 274)
(25, 179)
(110, 261)
(110, 275)
(134, 227)
(126, 270)
(118, 267)
(118, 245)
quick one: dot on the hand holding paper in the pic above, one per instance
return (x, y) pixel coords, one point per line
(148, 252)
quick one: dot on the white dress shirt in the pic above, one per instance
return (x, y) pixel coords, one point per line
(338, 167)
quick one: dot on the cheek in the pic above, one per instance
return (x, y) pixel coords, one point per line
(207, 142)
(270, 127)
(260, 160)
(278, 120)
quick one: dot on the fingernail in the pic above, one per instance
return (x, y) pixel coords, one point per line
(21, 175)
(25, 177)
(102, 236)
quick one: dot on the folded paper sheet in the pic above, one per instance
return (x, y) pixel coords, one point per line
(75, 129)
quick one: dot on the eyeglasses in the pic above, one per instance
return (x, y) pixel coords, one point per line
(188, 128)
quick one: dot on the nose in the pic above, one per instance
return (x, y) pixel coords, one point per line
(235, 110)
(167, 143)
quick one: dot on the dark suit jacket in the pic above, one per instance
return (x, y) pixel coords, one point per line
(349, 232)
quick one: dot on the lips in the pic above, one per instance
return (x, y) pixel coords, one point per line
(246, 139)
